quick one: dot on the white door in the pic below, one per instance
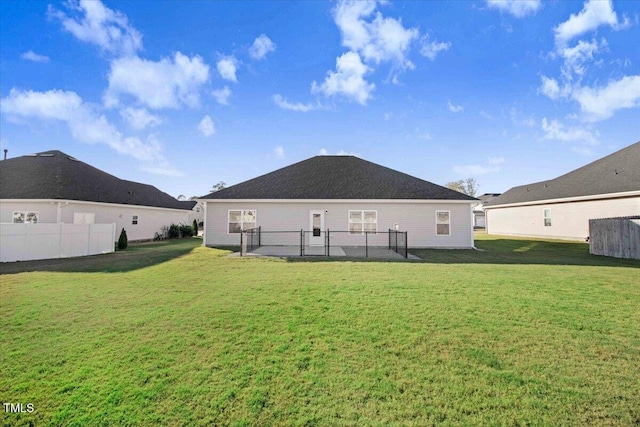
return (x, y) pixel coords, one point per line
(316, 225)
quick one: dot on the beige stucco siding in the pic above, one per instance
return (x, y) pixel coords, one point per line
(418, 219)
(150, 220)
(569, 220)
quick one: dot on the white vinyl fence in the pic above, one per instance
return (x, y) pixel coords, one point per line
(23, 242)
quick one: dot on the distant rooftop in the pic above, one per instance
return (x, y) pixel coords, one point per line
(616, 173)
(56, 175)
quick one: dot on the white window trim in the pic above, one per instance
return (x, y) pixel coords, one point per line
(449, 223)
(135, 218)
(545, 217)
(25, 213)
(362, 211)
(255, 215)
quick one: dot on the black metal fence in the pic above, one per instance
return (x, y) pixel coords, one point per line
(398, 242)
(252, 242)
(324, 242)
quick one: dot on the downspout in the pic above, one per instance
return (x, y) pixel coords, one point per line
(59, 214)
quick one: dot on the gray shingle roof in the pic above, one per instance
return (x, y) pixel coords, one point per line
(616, 173)
(337, 177)
(56, 175)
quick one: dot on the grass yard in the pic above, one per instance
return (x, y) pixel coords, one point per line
(524, 332)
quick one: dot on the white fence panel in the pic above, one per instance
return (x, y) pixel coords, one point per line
(24, 242)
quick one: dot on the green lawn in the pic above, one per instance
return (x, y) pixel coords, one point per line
(524, 332)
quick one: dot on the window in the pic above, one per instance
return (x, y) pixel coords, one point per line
(361, 221)
(134, 220)
(241, 220)
(84, 218)
(547, 217)
(443, 223)
(25, 217)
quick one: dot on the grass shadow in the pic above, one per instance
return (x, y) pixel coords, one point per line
(506, 250)
(136, 256)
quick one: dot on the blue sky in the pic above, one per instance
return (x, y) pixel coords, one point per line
(182, 95)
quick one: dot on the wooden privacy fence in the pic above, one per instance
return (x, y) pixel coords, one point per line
(615, 237)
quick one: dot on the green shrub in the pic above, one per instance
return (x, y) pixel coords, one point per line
(186, 230)
(123, 242)
(180, 230)
(174, 231)
(195, 227)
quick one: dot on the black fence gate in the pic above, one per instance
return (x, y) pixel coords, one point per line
(398, 242)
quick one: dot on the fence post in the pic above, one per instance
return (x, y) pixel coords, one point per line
(241, 242)
(301, 242)
(406, 244)
(366, 244)
(259, 235)
(328, 244)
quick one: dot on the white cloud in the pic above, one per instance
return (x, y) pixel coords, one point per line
(600, 103)
(261, 46)
(85, 124)
(475, 169)
(577, 56)
(324, 152)
(594, 14)
(431, 49)
(347, 80)
(518, 8)
(298, 106)
(139, 118)
(496, 160)
(206, 126)
(222, 95)
(99, 25)
(554, 130)
(278, 152)
(227, 67)
(167, 83)
(377, 40)
(485, 115)
(550, 87)
(32, 56)
(596, 103)
(455, 108)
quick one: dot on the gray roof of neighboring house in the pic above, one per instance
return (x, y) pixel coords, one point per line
(337, 177)
(188, 204)
(616, 173)
(56, 175)
(488, 196)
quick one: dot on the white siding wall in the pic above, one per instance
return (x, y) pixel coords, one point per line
(150, 220)
(568, 220)
(418, 219)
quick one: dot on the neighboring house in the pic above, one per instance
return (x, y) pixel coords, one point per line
(478, 209)
(53, 187)
(344, 194)
(196, 210)
(562, 207)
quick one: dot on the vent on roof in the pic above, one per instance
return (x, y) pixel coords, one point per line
(46, 155)
(31, 155)
(72, 158)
